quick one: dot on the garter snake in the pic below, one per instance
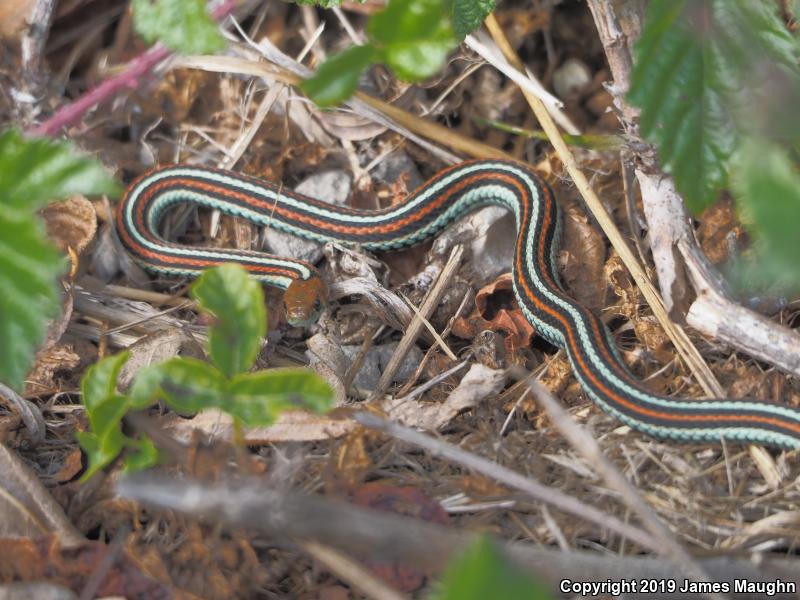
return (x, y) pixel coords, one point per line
(438, 203)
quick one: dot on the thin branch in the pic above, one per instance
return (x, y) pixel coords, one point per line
(254, 507)
(506, 476)
(130, 77)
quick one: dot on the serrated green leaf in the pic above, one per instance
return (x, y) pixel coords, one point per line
(187, 385)
(237, 302)
(257, 399)
(181, 25)
(29, 271)
(469, 14)
(337, 78)
(100, 381)
(767, 187)
(693, 61)
(483, 572)
(35, 171)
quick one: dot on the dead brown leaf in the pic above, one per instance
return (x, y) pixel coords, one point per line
(44, 559)
(71, 224)
(407, 501)
(583, 255)
(70, 467)
(13, 16)
(61, 357)
(496, 310)
(349, 460)
(720, 232)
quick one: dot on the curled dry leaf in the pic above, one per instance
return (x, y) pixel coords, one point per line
(49, 361)
(71, 224)
(479, 383)
(28, 412)
(291, 426)
(26, 508)
(406, 501)
(496, 310)
(70, 466)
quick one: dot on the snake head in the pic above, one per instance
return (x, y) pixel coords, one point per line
(304, 300)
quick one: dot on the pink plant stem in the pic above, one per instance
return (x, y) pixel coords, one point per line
(129, 78)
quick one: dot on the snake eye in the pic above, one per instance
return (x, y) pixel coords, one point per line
(317, 305)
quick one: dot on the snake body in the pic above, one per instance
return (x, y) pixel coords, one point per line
(442, 200)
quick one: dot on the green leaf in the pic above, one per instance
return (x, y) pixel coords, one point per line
(693, 62)
(406, 21)
(419, 60)
(100, 381)
(767, 187)
(413, 38)
(416, 36)
(187, 385)
(237, 302)
(181, 25)
(257, 399)
(469, 14)
(337, 78)
(29, 271)
(483, 572)
(144, 455)
(35, 171)
(105, 409)
(101, 450)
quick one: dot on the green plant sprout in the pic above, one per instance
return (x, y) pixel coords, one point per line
(189, 385)
(411, 37)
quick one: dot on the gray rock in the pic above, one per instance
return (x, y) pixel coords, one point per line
(332, 187)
